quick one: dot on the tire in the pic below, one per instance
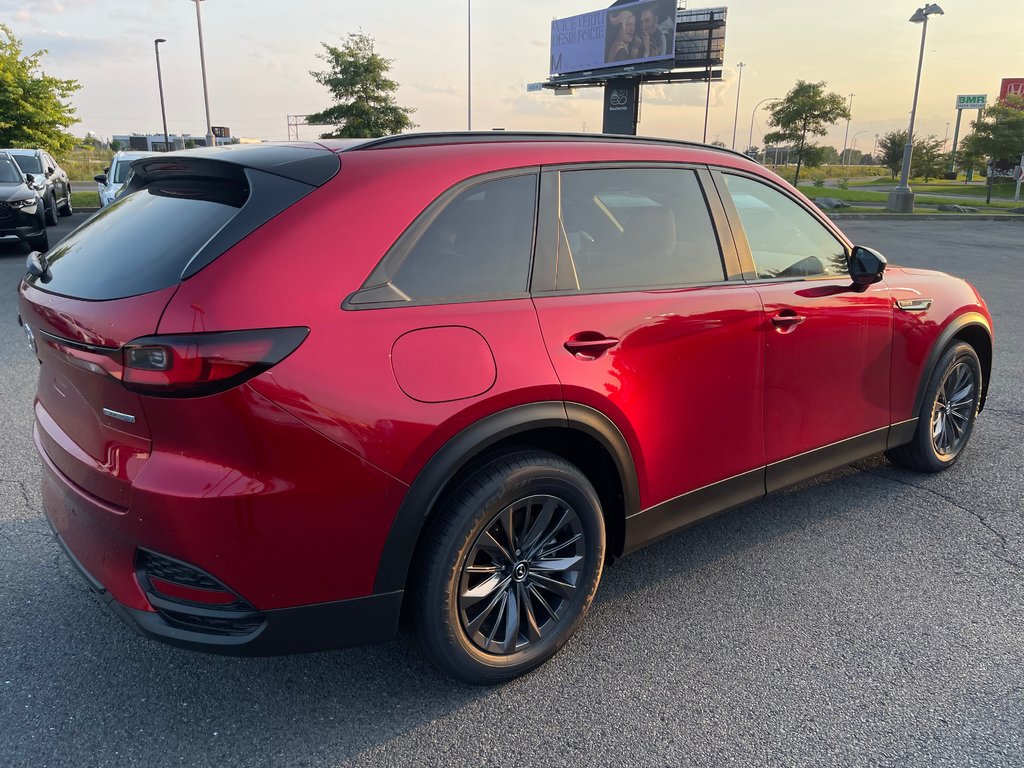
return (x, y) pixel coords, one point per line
(947, 414)
(468, 572)
(66, 209)
(51, 210)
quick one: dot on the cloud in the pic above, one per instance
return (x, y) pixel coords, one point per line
(541, 105)
(446, 89)
(686, 94)
(64, 48)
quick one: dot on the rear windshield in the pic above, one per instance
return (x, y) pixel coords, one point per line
(28, 163)
(9, 171)
(143, 241)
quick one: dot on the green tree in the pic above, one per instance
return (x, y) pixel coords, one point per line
(33, 112)
(928, 161)
(357, 79)
(807, 110)
(999, 135)
(890, 151)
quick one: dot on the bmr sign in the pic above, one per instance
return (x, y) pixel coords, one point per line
(971, 101)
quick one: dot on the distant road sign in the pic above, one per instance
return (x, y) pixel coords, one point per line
(971, 101)
(534, 87)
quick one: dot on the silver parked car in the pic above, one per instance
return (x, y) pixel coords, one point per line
(108, 184)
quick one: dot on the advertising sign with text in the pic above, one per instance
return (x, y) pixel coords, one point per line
(635, 33)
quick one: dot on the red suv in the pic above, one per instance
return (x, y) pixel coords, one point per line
(292, 394)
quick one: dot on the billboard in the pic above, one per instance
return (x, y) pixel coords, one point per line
(971, 101)
(1011, 85)
(640, 33)
(700, 37)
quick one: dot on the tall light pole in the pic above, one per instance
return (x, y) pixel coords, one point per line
(160, 85)
(736, 116)
(901, 199)
(210, 141)
(469, 65)
(750, 138)
(849, 109)
(874, 151)
(853, 145)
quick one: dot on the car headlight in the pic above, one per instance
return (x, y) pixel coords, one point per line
(28, 202)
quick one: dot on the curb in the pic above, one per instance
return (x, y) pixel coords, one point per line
(928, 216)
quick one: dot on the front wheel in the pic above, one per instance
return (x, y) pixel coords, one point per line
(51, 209)
(947, 414)
(508, 568)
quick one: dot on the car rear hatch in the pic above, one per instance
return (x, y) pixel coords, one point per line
(109, 282)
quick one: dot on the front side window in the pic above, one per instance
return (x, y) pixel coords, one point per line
(785, 240)
(478, 246)
(627, 228)
(9, 172)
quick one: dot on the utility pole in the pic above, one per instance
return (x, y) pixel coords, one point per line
(736, 116)
(849, 109)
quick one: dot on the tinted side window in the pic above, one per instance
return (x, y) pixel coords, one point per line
(479, 245)
(634, 228)
(785, 240)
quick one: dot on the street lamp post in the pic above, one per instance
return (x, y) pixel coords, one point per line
(736, 116)
(210, 141)
(160, 85)
(853, 145)
(750, 138)
(901, 199)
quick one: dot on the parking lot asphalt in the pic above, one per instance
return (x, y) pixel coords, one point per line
(870, 617)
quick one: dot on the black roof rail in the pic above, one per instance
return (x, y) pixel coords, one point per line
(479, 137)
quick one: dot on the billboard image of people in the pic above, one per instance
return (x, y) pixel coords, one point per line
(635, 33)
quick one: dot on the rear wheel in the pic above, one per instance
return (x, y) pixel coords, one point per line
(508, 568)
(65, 209)
(947, 413)
(51, 209)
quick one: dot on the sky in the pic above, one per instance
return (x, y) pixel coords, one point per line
(259, 55)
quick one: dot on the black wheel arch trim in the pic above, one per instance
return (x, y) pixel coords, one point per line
(469, 444)
(967, 320)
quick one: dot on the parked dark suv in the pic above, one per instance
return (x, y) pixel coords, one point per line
(290, 394)
(21, 209)
(48, 179)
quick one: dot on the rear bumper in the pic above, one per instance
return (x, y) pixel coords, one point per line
(342, 624)
(103, 543)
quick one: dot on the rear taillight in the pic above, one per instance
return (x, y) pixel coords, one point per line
(194, 364)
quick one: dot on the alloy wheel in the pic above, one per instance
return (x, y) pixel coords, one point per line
(521, 575)
(952, 411)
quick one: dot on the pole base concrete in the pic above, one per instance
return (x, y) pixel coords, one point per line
(900, 201)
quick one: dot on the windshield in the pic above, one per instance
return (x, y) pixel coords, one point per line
(28, 163)
(9, 172)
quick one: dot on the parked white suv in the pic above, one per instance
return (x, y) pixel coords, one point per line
(108, 184)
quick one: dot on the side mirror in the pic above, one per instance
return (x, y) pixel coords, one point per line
(100, 178)
(866, 266)
(30, 179)
(49, 172)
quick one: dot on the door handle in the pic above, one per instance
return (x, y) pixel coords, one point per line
(589, 345)
(786, 320)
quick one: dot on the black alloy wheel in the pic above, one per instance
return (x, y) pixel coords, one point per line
(51, 209)
(65, 208)
(507, 568)
(947, 415)
(521, 574)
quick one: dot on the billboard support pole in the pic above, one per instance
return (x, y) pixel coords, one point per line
(956, 137)
(621, 105)
(707, 101)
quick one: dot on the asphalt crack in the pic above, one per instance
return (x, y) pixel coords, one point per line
(1002, 538)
